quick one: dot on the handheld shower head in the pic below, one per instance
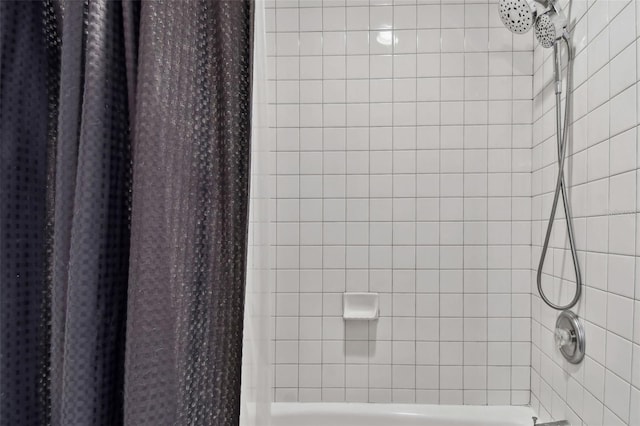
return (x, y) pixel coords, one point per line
(550, 26)
(545, 31)
(517, 15)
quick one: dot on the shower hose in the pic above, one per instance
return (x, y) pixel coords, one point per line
(560, 183)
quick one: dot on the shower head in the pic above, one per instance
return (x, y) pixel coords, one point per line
(517, 15)
(550, 26)
(520, 15)
(545, 31)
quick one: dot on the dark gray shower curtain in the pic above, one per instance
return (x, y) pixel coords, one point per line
(24, 136)
(125, 133)
(189, 217)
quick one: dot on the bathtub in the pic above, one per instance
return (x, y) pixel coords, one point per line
(361, 414)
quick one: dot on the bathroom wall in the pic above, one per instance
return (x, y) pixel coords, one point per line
(603, 183)
(403, 167)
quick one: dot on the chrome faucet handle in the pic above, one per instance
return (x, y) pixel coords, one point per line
(563, 337)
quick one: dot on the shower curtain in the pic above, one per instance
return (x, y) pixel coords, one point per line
(125, 143)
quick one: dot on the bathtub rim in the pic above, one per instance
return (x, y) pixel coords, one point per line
(515, 414)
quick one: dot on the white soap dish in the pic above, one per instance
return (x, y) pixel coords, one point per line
(360, 306)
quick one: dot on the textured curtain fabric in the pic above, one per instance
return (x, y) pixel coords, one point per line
(125, 132)
(24, 136)
(189, 219)
(91, 218)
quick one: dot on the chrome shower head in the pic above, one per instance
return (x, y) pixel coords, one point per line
(520, 15)
(517, 15)
(550, 26)
(545, 31)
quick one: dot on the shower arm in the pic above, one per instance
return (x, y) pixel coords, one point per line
(560, 183)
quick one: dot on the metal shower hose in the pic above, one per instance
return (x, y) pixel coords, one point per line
(560, 183)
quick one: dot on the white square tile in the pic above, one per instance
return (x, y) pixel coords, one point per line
(452, 16)
(357, 18)
(623, 111)
(357, 42)
(619, 356)
(333, 19)
(620, 315)
(452, 40)
(404, 17)
(617, 395)
(381, 17)
(428, 16)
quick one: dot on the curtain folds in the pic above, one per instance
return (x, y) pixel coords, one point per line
(24, 135)
(189, 217)
(124, 196)
(91, 222)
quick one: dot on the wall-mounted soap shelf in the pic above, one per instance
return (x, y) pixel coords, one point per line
(360, 306)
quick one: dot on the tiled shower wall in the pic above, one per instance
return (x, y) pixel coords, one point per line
(603, 183)
(403, 167)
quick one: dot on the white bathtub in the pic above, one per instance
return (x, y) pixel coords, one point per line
(360, 414)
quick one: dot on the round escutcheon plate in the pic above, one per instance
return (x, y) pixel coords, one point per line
(571, 337)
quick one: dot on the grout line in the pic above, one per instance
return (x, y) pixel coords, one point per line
(369, 337)
(511, 246)
(393, 61)
(415, 224)
(299, 220)
(439, 212)
(487, 361)
(346, 206)
(274, 340)
(321, 156)
(635, 312)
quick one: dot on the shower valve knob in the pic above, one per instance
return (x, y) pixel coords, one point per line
(563, 337)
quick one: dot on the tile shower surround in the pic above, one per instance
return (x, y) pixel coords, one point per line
(402, 167)
(603, 180)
